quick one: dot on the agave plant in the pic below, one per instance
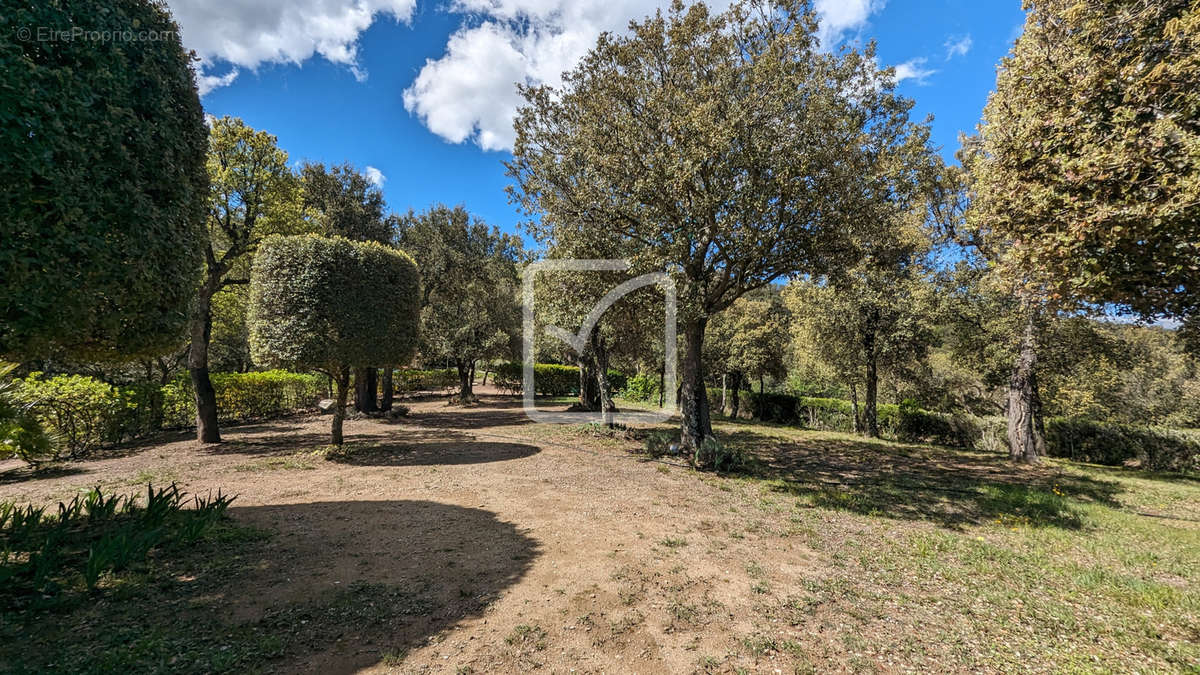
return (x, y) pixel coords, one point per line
(21, 434)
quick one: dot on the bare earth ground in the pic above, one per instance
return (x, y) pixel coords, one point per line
(472, 540)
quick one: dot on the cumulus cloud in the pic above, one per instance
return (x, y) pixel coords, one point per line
(840, 17)
(248, 33)
(915, 70)
(375, 176)
(469, 93)
(958, 46)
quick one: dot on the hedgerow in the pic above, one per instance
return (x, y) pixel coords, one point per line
(84, 414)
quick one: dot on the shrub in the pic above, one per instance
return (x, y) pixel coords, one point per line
(922, 426)
(84, 413)
(412, 380)
(1152, 448)
(21, 432)
(640, 388)
(551, 379)
(778, 408)
(105, 185)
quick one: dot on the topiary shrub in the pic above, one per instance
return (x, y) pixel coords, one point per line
(104, 146)
(413, 380)
(330, 304)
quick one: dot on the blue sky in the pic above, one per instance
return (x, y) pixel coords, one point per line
(421, 91)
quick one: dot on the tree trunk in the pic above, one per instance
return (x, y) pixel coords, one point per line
(724, 389)
(696, 426)
(486, 369)
(1024, 440)
(466, 388)
(854, 407)
(662, 385)
(341, 386)
(735, 403)
(870, 411)
(389, 389)
(207, 429)
(603, 390)
(762, 388)
(870, 414)
(365, 389)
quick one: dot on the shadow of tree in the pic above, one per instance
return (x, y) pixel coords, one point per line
(489, 412)
(919, 482)
(25, 473)
(335, 588)
(426, 448)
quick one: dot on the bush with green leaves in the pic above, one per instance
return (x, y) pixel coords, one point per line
(104, 147)
(1152, 448)
(330, 304)
(550, 379)
(922, 426)
(21, 432)
(413, 380)
(83, 414)
(641, 388)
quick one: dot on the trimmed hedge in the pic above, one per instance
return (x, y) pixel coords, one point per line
(551, 379)
(1153, 448)
(86, 414)
(410, 380)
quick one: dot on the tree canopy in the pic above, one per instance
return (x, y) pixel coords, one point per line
(104, 183)
(469, 307)
(1088, 160)
(726, 148)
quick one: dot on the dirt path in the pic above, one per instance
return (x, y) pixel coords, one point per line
(528, 548)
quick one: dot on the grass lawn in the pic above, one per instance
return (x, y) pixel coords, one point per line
(472, 540)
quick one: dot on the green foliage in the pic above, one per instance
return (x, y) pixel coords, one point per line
(21, 432)
(344, 203)
(45, 555)
(411, 379)
(750, 337)
(550, 379)
(922, 426)
(1151, 448)
(720, 457)
(1089, 157)
(469, 309)
(640, 388)
(103, 145)
(326, 302)
(84, 414)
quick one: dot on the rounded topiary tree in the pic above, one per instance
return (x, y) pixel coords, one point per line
(104, 144)
(330, 304)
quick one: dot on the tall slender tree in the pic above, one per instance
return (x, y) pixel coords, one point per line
(253, 193)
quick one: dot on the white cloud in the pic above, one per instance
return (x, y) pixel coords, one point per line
(958, 46)
(375, 176)
(838, 17)
(915, 70)
(207, 83)
(248, 33)
(468, 93)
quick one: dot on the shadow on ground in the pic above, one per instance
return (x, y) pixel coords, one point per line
(335, 587)
(918, 482)
(490, 411)
(429, 448)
